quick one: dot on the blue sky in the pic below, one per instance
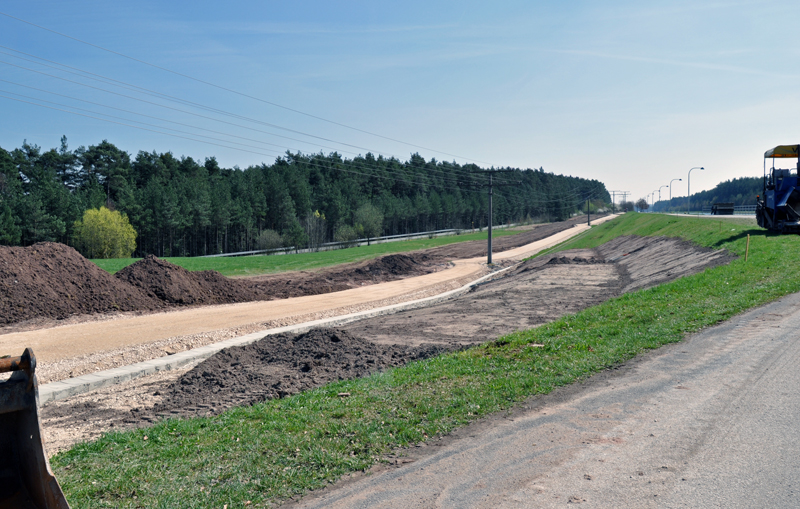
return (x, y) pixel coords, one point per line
(633, 94)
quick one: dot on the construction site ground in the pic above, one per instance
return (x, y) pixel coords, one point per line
(78, 343)
(529, 294)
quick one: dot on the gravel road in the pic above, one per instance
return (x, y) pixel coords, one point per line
(709, 422)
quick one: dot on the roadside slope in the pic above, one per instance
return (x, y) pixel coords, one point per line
(709, 422)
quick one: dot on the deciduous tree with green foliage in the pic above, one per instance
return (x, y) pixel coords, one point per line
(104, 233)
(369, 220)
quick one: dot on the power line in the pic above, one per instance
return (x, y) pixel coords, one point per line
(515, 200)
(310, 163)
(235, 91)
(444, 175)
(131, 112)
(173, 99)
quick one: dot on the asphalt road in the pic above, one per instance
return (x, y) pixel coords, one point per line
(709, 422)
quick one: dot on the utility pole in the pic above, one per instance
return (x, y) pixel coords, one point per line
(613, 199)
(491, 186)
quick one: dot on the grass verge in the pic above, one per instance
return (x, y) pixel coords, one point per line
(263, 264)
(271, 451)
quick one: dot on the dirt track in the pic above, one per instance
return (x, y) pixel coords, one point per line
(49, 284)
(104, 342)
(537, 291)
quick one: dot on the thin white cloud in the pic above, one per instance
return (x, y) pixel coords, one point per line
(679, 63)
(648, 11)
(239, 28)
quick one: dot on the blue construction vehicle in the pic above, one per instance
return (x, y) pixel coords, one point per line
(778, 208)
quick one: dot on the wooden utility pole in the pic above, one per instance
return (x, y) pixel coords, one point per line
(490, 185)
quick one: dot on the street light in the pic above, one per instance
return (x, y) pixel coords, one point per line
(670, 188)
(659, 192)
(689, 188)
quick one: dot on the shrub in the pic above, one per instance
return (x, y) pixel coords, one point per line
(269, 239)
(104, 233)
(346, 234)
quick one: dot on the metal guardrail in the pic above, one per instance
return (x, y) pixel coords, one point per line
(738, 210)
(329, 246)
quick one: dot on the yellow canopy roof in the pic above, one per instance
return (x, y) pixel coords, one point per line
(782, 151)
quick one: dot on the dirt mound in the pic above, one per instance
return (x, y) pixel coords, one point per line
(566, 260)
(175, 285)
(395, 265)
(345, 277)
(51, 280)
(278, 366)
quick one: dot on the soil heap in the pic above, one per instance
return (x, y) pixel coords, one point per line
(51, 280)
(278, 366)
(174, 285)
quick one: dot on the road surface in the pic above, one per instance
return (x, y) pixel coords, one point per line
(709, 422)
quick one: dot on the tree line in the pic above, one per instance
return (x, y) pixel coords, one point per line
(184, 207)
(739, 191)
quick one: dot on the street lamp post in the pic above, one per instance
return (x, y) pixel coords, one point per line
(689, 188)
(670, 188)
(659, 192)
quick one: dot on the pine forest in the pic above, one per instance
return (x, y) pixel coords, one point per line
(184, 207)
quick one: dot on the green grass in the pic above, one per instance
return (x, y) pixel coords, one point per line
(282, 448)
(255, 265)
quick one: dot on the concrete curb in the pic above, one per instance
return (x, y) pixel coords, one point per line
(73, 386)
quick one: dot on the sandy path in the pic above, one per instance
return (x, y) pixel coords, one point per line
(55, 344)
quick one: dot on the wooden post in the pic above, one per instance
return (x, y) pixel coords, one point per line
(747, 249)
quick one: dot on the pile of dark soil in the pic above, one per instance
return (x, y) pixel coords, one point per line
(396, 265)
(578, 260)
(53, 281)
(278, 366)
(344, 277)
(174, 285)
(50, 280)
